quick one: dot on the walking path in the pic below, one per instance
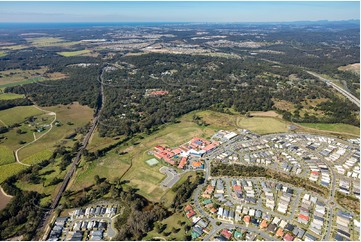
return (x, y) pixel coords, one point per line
(35, 139)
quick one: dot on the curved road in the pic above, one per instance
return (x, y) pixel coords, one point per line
(35, 139)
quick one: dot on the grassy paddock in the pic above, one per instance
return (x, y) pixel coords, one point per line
(9, 170)
(343, 128)
(73, 53)
(18, 114)
(6, 156)
(263, 125)
(10, 96)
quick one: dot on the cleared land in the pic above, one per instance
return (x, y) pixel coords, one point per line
(76, 114)
(345, 128)
(14, 47)
(2, 54)
(263, 125)
(9, 96)
(50, 41)
(352, 67)
(16, 77)
(18, 114)
(73, 53)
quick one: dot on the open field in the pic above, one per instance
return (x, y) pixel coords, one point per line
(9, 96)
(73, 53)
(2, 54)
(345, 128)
(18, 114)
(96, 142)
(9, 170)
(263, 125)
(355, 68)
(14, 47)
(16, 77)
(50, 41)
(76, 114)
(6, 156)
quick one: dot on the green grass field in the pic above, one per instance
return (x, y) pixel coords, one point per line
(27, 81)
(343, 128)
(3, 53)
(6, 156)
(18, 114)
(50, 41)
(73, 53)
(42, 149)
(9, 170)
(10, 96)
(263, 125)
(14, 47)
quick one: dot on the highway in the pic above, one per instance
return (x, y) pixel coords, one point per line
(47, 215)
(348, 95)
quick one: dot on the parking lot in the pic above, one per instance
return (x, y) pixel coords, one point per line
(172, 177)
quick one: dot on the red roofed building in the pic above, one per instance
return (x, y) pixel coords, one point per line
(304, 217)
(315, 173)
(188, 207)
(237, 188)
(159, 93)
(279, 232)
(159, 148)
(196, 164)
(246, 219)
(182, 163)
(226, 234)
(263, 224)
(190, 213)
(288, 237)
(209, 147)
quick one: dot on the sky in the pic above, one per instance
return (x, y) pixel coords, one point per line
(177, 11)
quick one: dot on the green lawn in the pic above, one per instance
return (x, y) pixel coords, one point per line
(73, 53)
(343, 128)
(10, 96)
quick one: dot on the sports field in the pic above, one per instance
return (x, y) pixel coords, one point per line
(152, 162)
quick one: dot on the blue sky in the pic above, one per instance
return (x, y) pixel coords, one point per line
(177, 11)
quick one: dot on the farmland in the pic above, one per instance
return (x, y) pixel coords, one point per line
(2, 53)
(69, 117)
(16, 77)
(74, 53)
(50, 41)
(9, 96)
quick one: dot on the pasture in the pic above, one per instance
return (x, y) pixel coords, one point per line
(18, 114)
(10, 96)
(73, 53)
(70, 117)
(342, 128)
(50, 41)
(3, 53)
(263, 125)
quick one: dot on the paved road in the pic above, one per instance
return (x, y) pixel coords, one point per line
(348, 95)
(47, 216)
(172, 176)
